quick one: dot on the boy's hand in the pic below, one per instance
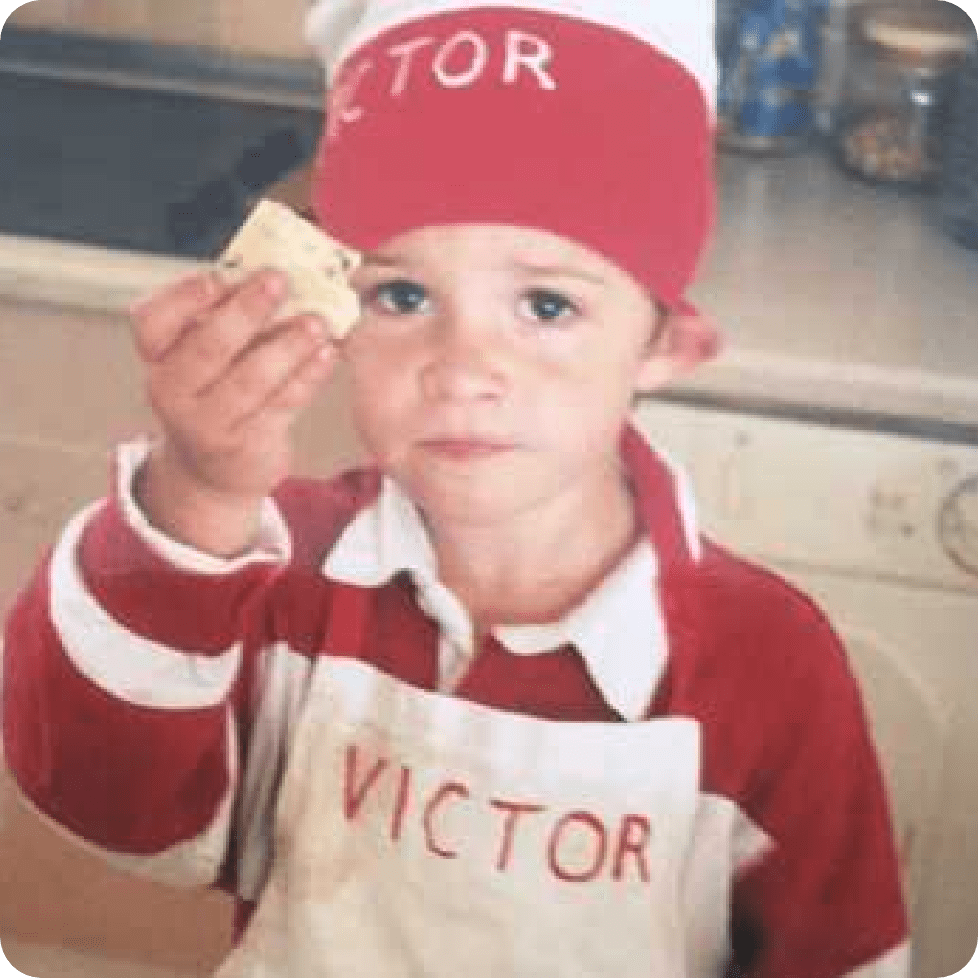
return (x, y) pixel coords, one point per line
(226, 381)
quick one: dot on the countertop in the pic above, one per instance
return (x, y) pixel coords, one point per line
(838, 294)
(835, 297)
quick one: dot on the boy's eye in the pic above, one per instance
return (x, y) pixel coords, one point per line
(546, 306)
(399, 296)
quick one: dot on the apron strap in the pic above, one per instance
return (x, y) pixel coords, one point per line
(656, 499)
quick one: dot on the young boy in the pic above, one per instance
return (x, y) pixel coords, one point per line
(492, 706)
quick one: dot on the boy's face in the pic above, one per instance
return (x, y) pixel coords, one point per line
(493, 367)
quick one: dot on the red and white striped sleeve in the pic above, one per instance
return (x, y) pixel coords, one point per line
(123, 687)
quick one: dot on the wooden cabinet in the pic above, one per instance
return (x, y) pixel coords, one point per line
(245, 26)
(72, 389)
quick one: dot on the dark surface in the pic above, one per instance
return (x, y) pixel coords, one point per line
(145, 170)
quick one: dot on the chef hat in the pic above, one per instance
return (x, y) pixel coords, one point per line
(592, 119)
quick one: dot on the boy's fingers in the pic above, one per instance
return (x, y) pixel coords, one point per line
(264, 370)
(161, 318)
(206, 352)
(275, 417)
(302, 385)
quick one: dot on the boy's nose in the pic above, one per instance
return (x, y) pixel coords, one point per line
(463, 365)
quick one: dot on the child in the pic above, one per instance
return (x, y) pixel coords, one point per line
(492, 706)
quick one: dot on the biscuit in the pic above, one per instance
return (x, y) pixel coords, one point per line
(274, 236)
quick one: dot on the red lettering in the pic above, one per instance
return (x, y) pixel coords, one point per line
(400, 802)
(514, 809)
(595, 826)
(353, 796)
(448, 788)
(633, 838)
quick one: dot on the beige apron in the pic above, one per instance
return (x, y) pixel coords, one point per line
(425, 836)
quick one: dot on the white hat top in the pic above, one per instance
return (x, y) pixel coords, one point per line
(682, 29)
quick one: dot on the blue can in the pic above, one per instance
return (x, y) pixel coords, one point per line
(768, 58)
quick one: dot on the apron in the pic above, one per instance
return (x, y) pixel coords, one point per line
(425, 836)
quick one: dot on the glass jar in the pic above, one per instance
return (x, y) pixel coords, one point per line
(892, 113)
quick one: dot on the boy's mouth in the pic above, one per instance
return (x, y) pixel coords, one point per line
(465, 449)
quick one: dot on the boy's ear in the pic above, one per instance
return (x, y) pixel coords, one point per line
(684, 340)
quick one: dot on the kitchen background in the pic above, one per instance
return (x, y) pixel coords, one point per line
(836, 439)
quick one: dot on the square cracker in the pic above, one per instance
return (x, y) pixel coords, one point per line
(274, 236)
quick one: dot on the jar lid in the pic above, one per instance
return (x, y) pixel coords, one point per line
(931, 30)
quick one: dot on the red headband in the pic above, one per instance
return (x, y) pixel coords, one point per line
(515, 116)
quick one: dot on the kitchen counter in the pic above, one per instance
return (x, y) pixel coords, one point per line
(835, 297)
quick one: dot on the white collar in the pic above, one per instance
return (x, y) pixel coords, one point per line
(619, 629)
